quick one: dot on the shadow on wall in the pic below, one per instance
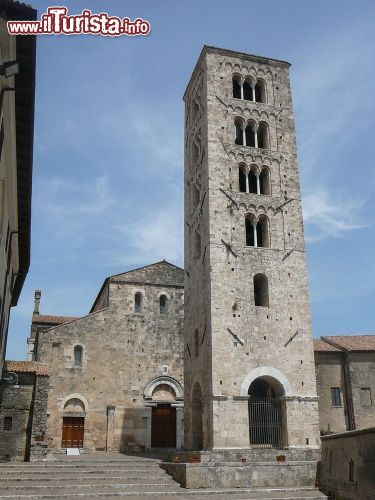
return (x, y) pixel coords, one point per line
(347, 466)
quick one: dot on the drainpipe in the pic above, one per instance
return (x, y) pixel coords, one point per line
(349, 401)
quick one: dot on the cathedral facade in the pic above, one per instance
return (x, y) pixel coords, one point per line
(218, 356)
(116, 375)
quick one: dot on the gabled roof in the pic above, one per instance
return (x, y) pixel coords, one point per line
(47, 319)
(160, 273)
(26, 367)
(321, 346)
(351, 342)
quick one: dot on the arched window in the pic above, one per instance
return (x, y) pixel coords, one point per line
(250, 135)
(248, 90)
(249, 226)
(261, 298)
(238, 123)
(196, 343)
(242, 178)
(138, 302)
(78, 355)
(262, 134)
(253, 181)
(264, 181)
(237, 87)
(260, 91)
(263, 239)
(163, 304)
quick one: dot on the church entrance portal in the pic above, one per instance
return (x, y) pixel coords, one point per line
(163, 426)
(72, 432)
(265, 415)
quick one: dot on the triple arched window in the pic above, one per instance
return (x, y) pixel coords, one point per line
(251, 134)
(249, 89)
(254, 180)
(257, 231)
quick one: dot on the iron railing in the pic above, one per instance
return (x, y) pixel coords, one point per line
(265, 423)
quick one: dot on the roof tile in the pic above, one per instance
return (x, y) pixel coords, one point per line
(352, 342)
(26, 367)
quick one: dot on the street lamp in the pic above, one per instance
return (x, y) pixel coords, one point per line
(10, 68)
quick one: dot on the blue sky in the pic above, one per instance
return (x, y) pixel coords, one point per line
(108, 154)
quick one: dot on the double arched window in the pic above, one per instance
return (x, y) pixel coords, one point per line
(251, 134)
(254, 180)
(261, 296)
(257, 231)
(249, 89)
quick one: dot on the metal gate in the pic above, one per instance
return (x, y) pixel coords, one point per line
(265, 422)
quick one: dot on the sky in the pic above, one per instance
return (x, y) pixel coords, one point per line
(108, 150)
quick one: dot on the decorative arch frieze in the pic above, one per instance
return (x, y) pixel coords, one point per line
(163, 380)
(78, 396)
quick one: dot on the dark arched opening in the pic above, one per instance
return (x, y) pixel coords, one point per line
(250, 136)
(252, 182)
(247, 91)
(239, 132)
(261, 297)
(242, 178)
(262, 134)
(236, 87)
(249, 227)
(266, 414)
(264, 181)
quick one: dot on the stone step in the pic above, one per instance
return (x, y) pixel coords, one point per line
(60, 470)
(40, 479)
(80, 463)
(62, 481)
(92, 488)
(234, 494)
(60, 467)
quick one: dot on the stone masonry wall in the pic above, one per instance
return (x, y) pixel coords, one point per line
(122, 351)
(241, 337)
(17, 403)
(329, 369)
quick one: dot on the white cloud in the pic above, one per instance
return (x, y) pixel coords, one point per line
(327, 215)
(152, 236)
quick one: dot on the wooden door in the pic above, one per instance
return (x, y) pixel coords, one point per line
(72, 432)
(163, 427)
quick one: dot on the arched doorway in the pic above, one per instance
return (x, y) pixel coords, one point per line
(73, 424)
(196, 417)
(163, 418)
(266, 413)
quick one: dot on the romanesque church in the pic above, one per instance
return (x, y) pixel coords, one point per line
(220, 355)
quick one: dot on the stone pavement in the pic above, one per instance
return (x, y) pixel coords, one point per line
(101, 475)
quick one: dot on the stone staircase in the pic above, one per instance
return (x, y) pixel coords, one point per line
(111, 475)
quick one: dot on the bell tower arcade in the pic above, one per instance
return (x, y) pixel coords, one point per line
(249, 363)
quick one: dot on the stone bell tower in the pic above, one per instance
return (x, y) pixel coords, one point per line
(249, 365)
